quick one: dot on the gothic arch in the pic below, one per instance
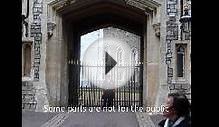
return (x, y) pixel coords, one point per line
(77, 17)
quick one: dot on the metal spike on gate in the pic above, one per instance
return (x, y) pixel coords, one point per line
(74, 61)
(71, 61)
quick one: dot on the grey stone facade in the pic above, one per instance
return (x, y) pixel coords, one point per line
(47, 26)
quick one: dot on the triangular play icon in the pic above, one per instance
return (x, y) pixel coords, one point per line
(109, 63)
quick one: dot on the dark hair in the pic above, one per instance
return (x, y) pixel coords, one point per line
(181, 104)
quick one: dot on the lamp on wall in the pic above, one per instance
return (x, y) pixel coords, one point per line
(185, 25)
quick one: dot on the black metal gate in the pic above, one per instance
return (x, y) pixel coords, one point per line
(85, 93)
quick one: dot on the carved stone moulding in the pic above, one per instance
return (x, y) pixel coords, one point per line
(59, 4)
(144, 4)
(50, 27)
(27, 40)
(157, 29)
(141, 4)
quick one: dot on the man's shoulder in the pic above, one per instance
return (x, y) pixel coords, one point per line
(184, 123)
(161, 123)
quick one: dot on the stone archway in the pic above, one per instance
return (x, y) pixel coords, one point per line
(73, 18)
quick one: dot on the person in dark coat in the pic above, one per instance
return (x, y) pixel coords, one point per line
(108, 92)
(108, 96)
(177, 111)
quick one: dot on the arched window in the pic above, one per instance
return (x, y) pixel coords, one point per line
(134, 56)
(180, 60)
(119, 61)
(134, 61)
(119, 56)
(26, 59)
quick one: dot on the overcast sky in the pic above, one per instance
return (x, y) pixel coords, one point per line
(88, 39)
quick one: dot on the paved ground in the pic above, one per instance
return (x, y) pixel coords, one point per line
(146, 120)
(101, 119)
(35, 119)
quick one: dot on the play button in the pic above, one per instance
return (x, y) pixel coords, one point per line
(107, 63)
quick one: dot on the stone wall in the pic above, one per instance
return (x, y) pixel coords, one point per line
(49, 53)
(36, 21)
(170, 37)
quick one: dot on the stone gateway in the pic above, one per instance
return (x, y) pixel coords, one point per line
(53, 31)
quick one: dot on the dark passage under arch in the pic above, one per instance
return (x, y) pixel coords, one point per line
(81, 22)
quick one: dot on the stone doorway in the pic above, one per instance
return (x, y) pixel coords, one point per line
(80, 17)
(88, 24)
(82, 90)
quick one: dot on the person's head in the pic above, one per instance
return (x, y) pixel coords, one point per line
(177, 105)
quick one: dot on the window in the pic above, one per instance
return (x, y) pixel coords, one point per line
(181, 8)
(134, 56)
(119, 56)
(26, 60)
(180, 60)
(120, 62)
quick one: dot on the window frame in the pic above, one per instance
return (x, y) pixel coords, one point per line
(30, 60)
(184, 69)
